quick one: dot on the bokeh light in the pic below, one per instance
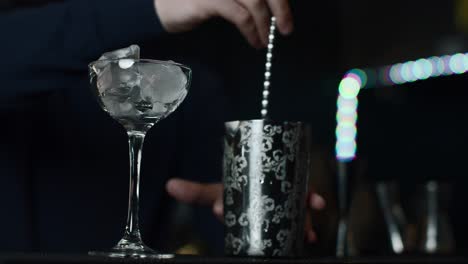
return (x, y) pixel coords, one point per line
(407, 72)
(418, 70)
(355, 77)
(349, 87)
(346, 132)
(427, 68)
(395, 74)
(346, 117)
(400, 73)
(465, 61)
(446, 61)
(384, 76)
(347, 105)
(345, 150)
(456, 63)
(361, 74)
(437, 65)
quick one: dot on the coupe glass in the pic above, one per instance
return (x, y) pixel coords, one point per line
(138, 94)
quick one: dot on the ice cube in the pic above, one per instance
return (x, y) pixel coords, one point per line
(123, 75)
(163, 83)
(158, 109)
(126, 63)
(103, 79)
(127, 77)
(130, 89)
(122, 101)
(118, 108)
(132, 52)
(113, 79)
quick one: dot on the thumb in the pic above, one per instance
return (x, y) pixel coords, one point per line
(193, 192)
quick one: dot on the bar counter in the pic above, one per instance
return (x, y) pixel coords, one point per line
(185, 259)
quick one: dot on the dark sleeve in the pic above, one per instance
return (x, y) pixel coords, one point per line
(43, 48)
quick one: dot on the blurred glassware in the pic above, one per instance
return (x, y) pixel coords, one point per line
(435, 233)
(388, 196)
(345, 183)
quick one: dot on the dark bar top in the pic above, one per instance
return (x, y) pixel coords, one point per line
(185, 259)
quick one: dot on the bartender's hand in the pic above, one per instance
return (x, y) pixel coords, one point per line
(251, 17)
(212, 195)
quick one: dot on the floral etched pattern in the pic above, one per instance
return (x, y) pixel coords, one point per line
(264, 188)
(243, 220)
(235, 243)
(230, 219)
(282, 237)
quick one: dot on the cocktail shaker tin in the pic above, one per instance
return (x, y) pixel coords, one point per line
(266, 170)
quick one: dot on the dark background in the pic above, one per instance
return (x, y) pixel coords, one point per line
(411, 133)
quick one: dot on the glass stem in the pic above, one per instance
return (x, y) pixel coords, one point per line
(132, 230)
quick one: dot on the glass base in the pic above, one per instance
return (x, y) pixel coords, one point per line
(127, 249)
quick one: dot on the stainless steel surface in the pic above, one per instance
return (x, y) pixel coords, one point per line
(390, 211)
(430, 244)
(268, 64)
(341, 241)
(266, 169)
(436, 232)
(343, 209)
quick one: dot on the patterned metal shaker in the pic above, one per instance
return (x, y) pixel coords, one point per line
(266, 170)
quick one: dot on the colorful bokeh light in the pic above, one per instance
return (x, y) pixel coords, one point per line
(361, 75)
(349, 87)
(400, 73)
(346, 117)
(345, 150)
(346, 132)
(456, 63)
(395, 73)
